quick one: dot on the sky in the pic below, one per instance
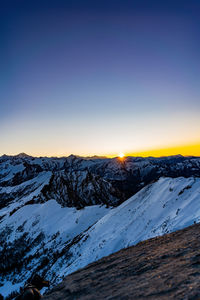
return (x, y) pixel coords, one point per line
(100, 77)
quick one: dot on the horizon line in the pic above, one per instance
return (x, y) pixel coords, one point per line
(183, 150)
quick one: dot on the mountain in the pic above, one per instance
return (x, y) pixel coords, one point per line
(78, 182)
(59, 214)
(161, 268)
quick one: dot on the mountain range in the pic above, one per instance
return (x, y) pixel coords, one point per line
(57, 215)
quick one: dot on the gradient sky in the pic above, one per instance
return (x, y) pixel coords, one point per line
(99, 77)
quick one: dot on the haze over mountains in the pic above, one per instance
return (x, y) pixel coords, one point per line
(59, 214)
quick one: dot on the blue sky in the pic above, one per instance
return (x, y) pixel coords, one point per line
(99, 77)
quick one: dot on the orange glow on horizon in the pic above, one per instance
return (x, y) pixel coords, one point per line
(185, 150)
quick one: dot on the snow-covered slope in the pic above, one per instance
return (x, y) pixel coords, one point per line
(36, 235)
(162, 207)
(56, 241)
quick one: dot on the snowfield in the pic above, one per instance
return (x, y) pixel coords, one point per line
(51, 218)
(24, 192)
(56, 240)
(54, 222)
(162, 207)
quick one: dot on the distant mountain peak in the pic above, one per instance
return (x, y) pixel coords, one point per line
(23, 155)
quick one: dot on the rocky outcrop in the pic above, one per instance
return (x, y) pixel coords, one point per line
(79, 189)
(166, 267)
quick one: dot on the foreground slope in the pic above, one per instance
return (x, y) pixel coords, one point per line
(166, 267)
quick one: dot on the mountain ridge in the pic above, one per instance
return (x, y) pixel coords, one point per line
(115, 179)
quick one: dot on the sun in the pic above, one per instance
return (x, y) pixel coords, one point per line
(121, 155)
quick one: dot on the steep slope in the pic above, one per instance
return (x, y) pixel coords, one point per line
(162, 207)
(57, 241)
(13, 197)
(35, 236)
(166, 267)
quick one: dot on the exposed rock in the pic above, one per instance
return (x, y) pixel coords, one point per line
(166, 267)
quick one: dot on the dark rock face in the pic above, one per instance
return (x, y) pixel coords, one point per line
(79, 189)
(166, 267)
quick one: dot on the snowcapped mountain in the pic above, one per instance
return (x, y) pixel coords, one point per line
(59, 214)
(78, 182)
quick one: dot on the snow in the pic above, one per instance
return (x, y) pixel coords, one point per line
(161, 207)
(9, 170)
(157, 209)
(8, 288)
(51, 218)
(34, 185)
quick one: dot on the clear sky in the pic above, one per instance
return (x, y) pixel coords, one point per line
(100, 77)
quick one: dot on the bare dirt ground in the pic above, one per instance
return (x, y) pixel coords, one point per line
(166, 267)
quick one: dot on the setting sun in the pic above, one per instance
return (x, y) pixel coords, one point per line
(121, 155)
